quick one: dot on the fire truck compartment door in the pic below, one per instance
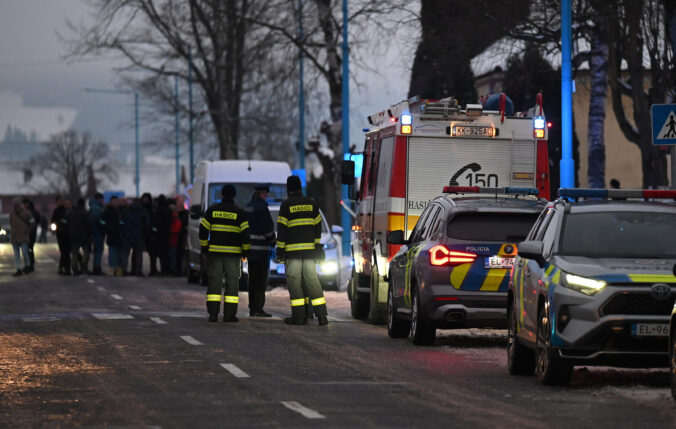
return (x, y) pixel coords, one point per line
(436, 162)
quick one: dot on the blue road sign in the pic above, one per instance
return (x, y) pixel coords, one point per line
(664, 124)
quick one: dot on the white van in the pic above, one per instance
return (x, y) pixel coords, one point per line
(210, 177)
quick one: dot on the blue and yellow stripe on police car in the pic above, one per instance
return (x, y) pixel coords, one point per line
(411, 257)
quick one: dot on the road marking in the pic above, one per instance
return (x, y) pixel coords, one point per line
(100, 288)
(358, 383)
(112, 316)
(304, 411)
(135, 307)
(232, 369)
(190, 340)
(158, 320)
(91, 281)
(40, 319)
(115, 296)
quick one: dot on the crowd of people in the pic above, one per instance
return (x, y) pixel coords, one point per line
(129, 228)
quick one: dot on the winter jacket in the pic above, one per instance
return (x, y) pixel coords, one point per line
(135, 223)
(175, 231)
(95, 212)
(261, 229)
(20, 223)
(110, 219)
(59, 219)
(163, 219)
(79, 226)
(224, 230)
(299, 229)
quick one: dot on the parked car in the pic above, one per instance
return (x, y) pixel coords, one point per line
(4, 228)
(593, 284)
(452, 272)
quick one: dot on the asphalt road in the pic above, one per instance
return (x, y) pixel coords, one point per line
(138, 352)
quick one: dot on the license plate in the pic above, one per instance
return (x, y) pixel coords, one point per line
(650, 329)
(280, 269)
(498, 262)
(459, 131)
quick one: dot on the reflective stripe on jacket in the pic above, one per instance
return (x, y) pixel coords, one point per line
(299, 229)
(224, 229)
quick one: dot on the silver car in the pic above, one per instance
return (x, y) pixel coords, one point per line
(593, 284)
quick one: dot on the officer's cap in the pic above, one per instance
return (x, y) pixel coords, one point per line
(262, 187)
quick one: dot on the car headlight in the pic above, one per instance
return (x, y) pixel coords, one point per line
(583, 284)
(3, 232)
(328, 267)
(52, 227)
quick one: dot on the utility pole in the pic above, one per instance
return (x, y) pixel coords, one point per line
(176, 130)
(301, 95)
(346, 220)
(567, 163)
(137, 173)
(190, 129)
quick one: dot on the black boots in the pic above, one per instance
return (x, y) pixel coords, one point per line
(297, 316)
(322, 314)
(213, 318)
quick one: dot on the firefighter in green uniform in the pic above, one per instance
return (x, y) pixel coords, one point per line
(299, 233)
(224, 239)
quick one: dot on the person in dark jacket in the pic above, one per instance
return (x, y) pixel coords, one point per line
(163, 218)
(299, 245)
(21, 222)
(224, 241)
(98, 232)
(182, 244)
(110, 219)
(151, 235)
(80, 229)
(28, 205)
(135, 227)
(62, 235)
(262, 235)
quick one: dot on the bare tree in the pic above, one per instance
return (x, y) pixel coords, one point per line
(160, 37)
(639, 38)
(72, 164)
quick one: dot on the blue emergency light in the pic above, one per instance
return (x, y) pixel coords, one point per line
(406, 119)
(615, 193)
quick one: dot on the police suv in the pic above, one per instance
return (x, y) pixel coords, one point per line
(593, 284)
(453, 270)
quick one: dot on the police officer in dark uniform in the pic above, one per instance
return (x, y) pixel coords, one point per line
(262, 235)
(62, 235)
(224, 239)
(299, 232)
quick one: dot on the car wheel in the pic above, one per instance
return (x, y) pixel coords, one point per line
(520, 359)
(422, 332)
(549, 368)
(377, 311)
(396, 328)
(359, 301)
(673, 361)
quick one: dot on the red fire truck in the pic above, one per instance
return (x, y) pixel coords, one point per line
(414, 149)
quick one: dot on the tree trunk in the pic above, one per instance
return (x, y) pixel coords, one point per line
(596, 167)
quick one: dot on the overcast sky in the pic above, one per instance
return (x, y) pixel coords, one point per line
(40, 91)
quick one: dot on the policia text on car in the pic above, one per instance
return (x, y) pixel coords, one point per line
(298, 244)
(224, 240)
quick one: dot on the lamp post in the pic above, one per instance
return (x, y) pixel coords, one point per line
(346, 220)
(301, 95)
(137, 176)
(567, 163)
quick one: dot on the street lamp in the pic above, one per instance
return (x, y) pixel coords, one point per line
(137, 176)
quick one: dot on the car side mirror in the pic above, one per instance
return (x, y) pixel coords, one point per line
(532, 250)
(347, 173)
(336, 229)
(195, 211)
(396, 237)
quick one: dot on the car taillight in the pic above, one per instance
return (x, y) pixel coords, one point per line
(440, 255)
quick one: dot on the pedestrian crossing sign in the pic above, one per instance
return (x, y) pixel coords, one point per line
(663, 124)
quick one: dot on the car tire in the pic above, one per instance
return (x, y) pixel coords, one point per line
(396, 327)
(549, 368)
(359, 301)
(520, 359)
(422, 332)
(377, 311)
(672, 358)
